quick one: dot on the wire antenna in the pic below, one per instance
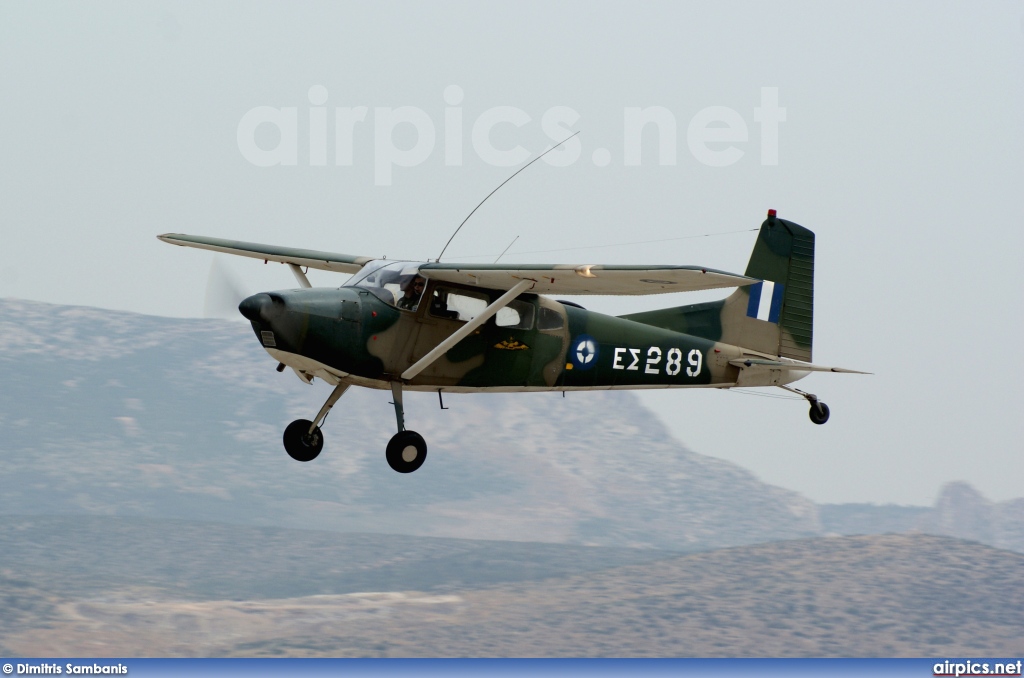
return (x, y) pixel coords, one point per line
(507, 248)
(496, 190)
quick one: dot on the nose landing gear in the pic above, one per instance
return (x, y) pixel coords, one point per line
(303, 440)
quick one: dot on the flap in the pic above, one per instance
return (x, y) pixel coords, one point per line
(570, 279)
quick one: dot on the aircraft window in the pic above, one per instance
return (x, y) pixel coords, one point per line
(550, 319)
(518, 315)
(412, 290)
(456, 304)
(388, 281)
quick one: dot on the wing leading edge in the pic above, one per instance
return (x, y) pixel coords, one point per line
(326, 261)
(568, 279)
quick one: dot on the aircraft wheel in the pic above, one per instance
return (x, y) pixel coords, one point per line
(406, 451)
(819, 413)
(300, 444)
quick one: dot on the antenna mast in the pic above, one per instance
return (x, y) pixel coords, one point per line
(496, 190)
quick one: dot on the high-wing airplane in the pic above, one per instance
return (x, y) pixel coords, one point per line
(468, 328)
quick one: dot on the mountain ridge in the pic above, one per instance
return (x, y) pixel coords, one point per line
(114, 412)
(182, 418)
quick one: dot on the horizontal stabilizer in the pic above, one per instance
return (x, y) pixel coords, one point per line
(325, 261)
(791, 365)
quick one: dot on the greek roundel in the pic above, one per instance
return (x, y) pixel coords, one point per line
(584, 352)
(765, 301)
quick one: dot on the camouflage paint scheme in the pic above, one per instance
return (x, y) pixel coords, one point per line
(351, 335)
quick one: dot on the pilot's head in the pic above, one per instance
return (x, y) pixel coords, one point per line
(415, 286)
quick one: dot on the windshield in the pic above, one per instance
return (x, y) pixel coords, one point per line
(393, 282)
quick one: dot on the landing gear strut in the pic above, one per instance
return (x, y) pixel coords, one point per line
(819, 410)
(406, 450)
(303, 439)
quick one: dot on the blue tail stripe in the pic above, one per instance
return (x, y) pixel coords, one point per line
(755, 299)
(773, 314)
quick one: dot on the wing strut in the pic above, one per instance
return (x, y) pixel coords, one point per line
(299, 275)
(467, 329)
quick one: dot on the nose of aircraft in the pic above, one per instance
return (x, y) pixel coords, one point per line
(251, 307)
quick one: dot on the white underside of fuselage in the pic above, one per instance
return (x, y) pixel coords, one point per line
(306, 368)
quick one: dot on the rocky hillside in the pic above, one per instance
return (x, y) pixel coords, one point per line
(110, 413)
(109, 586)
(113, 413)
(960, 511)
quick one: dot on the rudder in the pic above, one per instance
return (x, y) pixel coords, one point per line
(775, 316)
(783, 256)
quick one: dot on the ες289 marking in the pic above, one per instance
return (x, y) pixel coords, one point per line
(630, 359)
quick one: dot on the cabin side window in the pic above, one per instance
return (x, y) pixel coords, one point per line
(457, 304)
(518, 315)
(550, 320)
(464, 305)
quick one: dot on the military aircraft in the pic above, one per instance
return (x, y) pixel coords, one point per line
(471, 328)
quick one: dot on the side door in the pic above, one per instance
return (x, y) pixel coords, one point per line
(443, 309)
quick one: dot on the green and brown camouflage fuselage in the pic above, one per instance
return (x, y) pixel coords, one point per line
(351, 335)
(475, 328)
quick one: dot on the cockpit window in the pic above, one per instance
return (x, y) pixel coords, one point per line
(396, 283)
(412, 291)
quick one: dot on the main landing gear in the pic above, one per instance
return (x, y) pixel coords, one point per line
(406, 451)
(819, 410)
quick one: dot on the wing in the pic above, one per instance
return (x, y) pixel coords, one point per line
(791, 365)
(572, 279)
(327, 261)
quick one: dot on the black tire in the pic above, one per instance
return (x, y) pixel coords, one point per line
(406, 451)
(300, 444)
(819, 413)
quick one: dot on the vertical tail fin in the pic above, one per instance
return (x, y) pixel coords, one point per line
(783, 257)
(775, 316)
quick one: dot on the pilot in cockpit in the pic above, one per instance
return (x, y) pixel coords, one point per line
(413, 290)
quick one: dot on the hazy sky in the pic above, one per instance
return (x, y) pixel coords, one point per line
(902, 148)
